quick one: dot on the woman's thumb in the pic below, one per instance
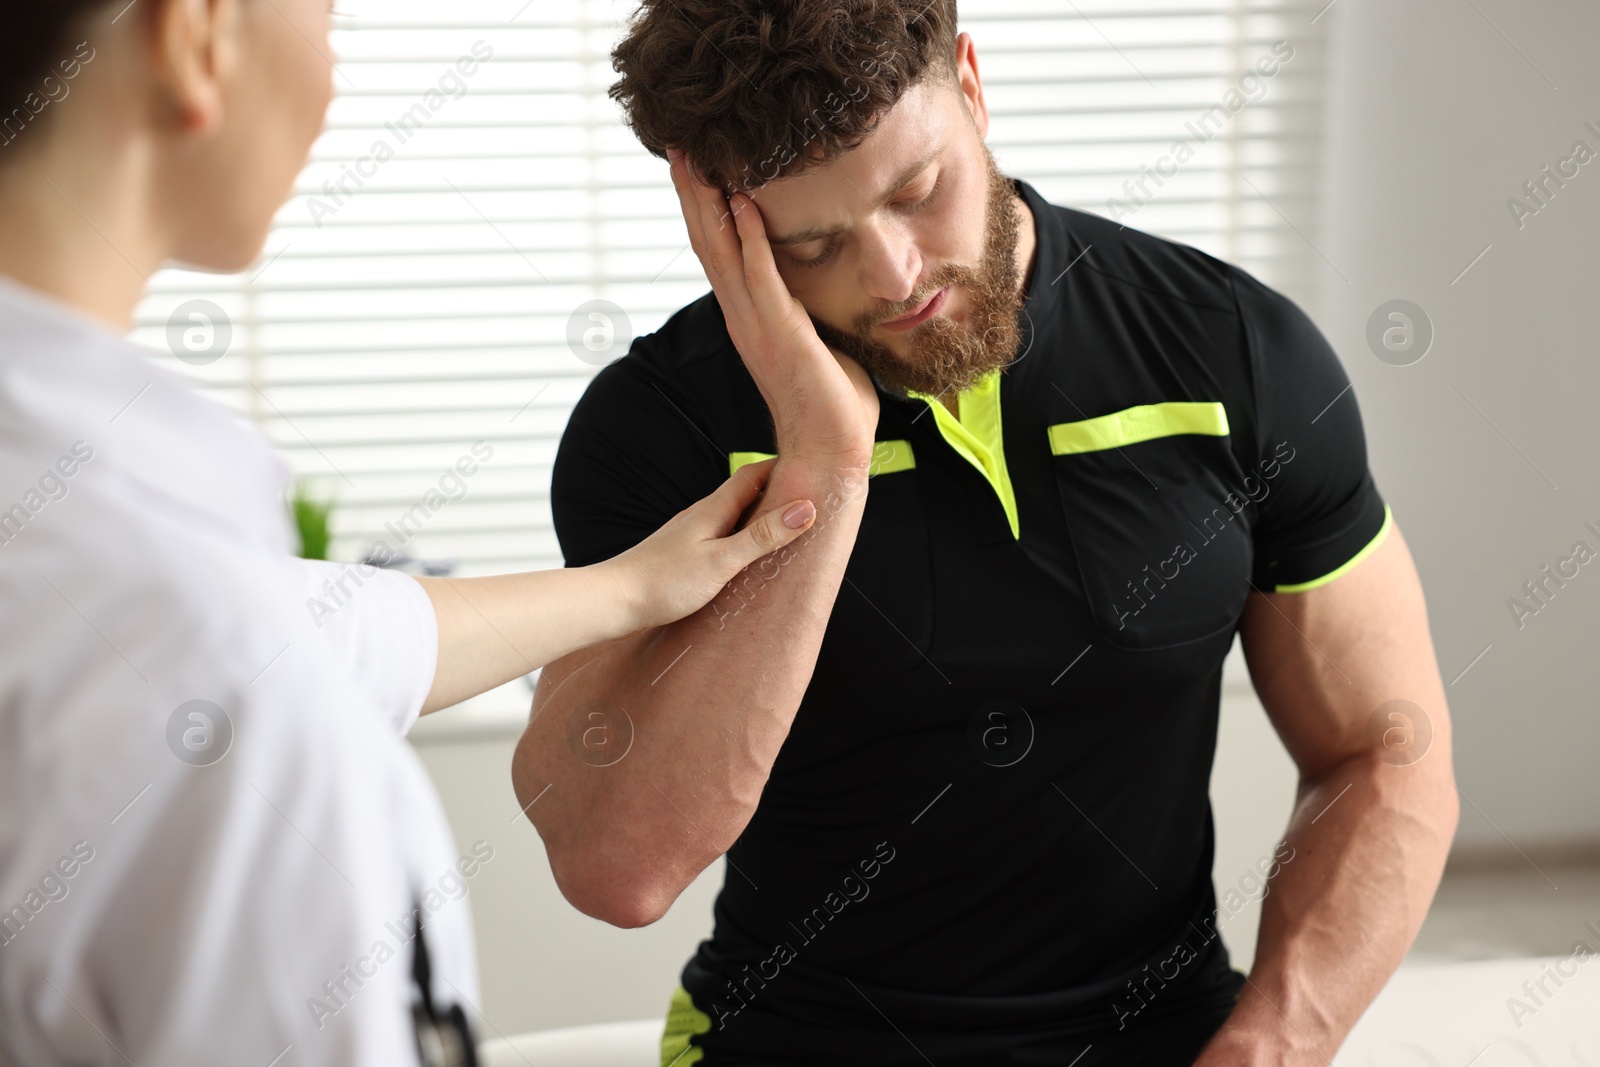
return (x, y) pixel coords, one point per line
(771, 531)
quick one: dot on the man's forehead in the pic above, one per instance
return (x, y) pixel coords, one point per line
(821, 201)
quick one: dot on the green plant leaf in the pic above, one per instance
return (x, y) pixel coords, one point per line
(312, 514)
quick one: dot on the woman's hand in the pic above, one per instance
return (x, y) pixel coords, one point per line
(682, 567)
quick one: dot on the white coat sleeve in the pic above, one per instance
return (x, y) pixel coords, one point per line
(381, 625)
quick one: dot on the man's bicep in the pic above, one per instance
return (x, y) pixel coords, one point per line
(634, 454)
(1327, 660)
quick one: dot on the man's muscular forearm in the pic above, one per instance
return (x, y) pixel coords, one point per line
(1374, 815)
(700, 708)
(1370, 840)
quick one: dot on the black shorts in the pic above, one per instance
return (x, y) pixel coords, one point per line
(1170, 1034)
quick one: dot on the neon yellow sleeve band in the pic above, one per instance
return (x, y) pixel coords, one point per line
(1349, 564)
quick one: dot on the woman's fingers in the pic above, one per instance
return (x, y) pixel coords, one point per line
(717, 515)
(733, 497)
(684, 565)
(767, 533)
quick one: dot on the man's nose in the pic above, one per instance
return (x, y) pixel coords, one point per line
(890, 263)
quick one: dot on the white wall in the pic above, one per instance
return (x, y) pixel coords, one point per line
(542, 963)
(1440, 111)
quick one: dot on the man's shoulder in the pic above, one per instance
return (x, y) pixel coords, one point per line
(694, 340)
(1187, 311)
(690, 361)
(1136, 261)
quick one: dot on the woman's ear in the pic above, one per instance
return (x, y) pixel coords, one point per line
(193, 49)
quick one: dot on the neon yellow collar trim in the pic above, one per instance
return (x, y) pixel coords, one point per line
(977, 435)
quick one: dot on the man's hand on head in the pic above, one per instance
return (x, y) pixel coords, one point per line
(824, 405)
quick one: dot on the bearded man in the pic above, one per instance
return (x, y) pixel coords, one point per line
(956, 742)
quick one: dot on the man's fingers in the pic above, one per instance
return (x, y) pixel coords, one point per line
(768, 292)
(700, 216)
(713, 237)
(722, 240)
(682, 183)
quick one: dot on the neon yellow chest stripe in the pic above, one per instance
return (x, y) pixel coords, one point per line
(1143, 423)
(888, 457)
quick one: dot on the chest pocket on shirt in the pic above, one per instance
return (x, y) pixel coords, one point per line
(1162, 545)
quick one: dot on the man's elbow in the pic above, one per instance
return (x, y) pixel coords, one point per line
(1450, 806)
(619, 893)
(590, 876)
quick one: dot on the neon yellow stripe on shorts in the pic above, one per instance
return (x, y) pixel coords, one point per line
(684, 1020)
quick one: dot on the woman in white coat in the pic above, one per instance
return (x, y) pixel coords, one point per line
(215, 846)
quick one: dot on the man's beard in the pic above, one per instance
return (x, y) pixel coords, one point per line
(946, 356)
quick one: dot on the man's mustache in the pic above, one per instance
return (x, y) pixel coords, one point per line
(944, 278)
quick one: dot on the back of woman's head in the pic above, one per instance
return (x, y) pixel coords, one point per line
(37, 54)
(196, 115)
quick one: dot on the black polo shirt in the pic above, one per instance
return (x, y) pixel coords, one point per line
(991, 813)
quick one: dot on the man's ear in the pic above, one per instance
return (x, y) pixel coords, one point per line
(970, 84)
(193, 50)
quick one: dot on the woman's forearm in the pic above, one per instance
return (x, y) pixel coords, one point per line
(493, 630)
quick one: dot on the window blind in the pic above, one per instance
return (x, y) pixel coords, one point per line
(475, 190)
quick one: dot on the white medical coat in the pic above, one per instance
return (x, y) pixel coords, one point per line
(158, 905)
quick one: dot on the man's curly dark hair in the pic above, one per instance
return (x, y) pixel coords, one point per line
(756, 90)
